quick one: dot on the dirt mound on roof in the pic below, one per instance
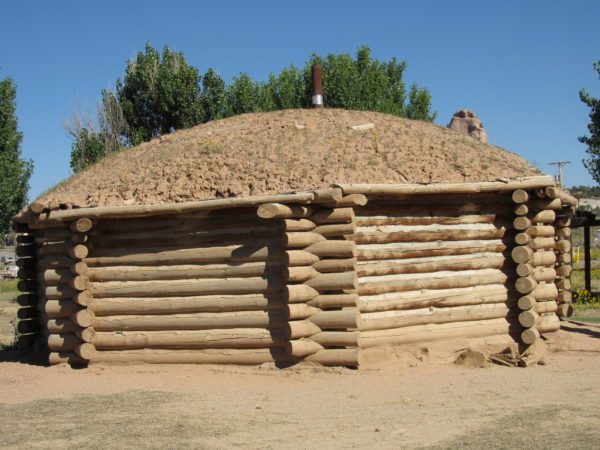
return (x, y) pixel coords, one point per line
(284, 151)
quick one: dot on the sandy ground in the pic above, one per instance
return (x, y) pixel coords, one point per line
(282, 151)
(432, 406)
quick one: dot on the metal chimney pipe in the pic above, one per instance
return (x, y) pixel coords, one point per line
(317, 86)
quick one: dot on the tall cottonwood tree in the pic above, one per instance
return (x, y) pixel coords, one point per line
(15, 171)
(592, 163)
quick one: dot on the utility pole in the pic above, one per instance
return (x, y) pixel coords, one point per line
(560, 165)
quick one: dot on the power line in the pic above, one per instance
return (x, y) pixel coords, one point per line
(560, 165)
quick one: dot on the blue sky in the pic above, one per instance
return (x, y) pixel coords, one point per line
(518, 65)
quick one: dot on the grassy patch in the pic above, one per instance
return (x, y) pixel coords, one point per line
(8, 287)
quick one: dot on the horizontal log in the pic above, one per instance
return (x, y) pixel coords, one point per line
(543, 204)
(27, 299)
(85, 350)
(27, 312)
(335, 265)
(301, 273)
(545, 291)
(526, 302)
(563, 246)
(565, 297)
(528, 318)
(298, 258)
(390, 219)
(298, 225)
(75, 251)
(564, 270)
(441, 280)
(348, 200)
(301, 239)
(474, 295)
(525, 285)
(83, 317)
(386, 251)
(55, 309)
(520, 196)
(180, 305)
(156, 256)
(521, 210)
(333, 281)
(56, 261)
(298, 293)
(185, 271)
(27, 286)
(297, 329)
(58, 292)
(564, 310)
(446, 188)
(28, 326)
(81, 225)
(548, 323)
(335, 357)
(546, 307)
(433, 264)
(543, 258)
(334, 301)
(190, 339)
(521, 254)
(563, 221)
(63, 342)
(426, 236)
(302, 347)
(195, 321)
(563, 232)
(544, 274)
(342, 319)
(25, 239)
(564, 258)
(334, 215)
(435, 207)
(563, 284)
(530, 335)
(432, 315)
(540, 231)
(419, 334)
(327, 195)
(523, 223)
(333, 249)
(55, 358)
(25, 251)
(298, 311)
(283, 211)
(565, 197)
(337, 338)
(336, 229)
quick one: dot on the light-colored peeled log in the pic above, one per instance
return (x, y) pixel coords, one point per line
(63, 342)
(337, 338)
(525, 285)
(297, 329)
(299, 258)
(522, 238)
(434, 332)
(56, 309)
(301, 273)
(334, 301)
(302, 347)
(301, 239)
(543, 204)
(297, 293)
(565, 197)
(384, 251)
(473, 295)
(195, 321)
(471, 278)
(521, 210)
(546, 216)
(83, 298)
(526, 302)
(349, 200)
(81, 225)
(432, 315)
(36, 207)
(180, 305)
(335, 265)
(545, 291)
(282, 211)
(563, 246)
(564, 258)
(298, 225)
(424, 265)
(85, 350)
(171, 288)
(530, 335)
(87, 334)
(524, 269)
(333, 281)
(565, 297)
(297, 311)
(546, 307)
(84, 317)
(80, 283)
(77, 251)
(153, 256)
(528, 318)
(564, 270)
(520, 196)
(385, 219)
(563, 232)
(60, 325)
(184, 271)
(543, 258)
(52, 277)
(334, 249)
(58, 292)
(346, 318)
(564, 283)
(540, 231)
(564, 310)
(336, 229)
(426, 236)
(521, 254)
(55, 358)
(335, 215)
(231, 338)
(335, 357)
(548, 323)
(541, 243)
(544, 274)
(328, 195)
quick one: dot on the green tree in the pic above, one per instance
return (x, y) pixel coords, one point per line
(213, 99)
(592, 163)
(159, 93)
(15, 171)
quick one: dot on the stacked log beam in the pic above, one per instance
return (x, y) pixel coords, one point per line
(434, 266)
(320, 291)
(28, 326)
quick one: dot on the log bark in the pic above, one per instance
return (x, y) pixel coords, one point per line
(281, 211)
(564, 270)
(181, 305)
(464, 279)
(440, 298)
(565, 197)
(419, 334)
(433, 315)
(543, 258)
(540, 231)
(546, 307)
(190, 339)
(170, 288)
(544, 274)
(327, 195)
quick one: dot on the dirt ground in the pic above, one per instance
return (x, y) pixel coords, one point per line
(282, 151)
(423, 406)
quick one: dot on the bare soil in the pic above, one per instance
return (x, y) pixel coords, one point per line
(283, 151)
(422, 405)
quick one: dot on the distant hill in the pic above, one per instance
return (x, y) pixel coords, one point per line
(585, 191)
